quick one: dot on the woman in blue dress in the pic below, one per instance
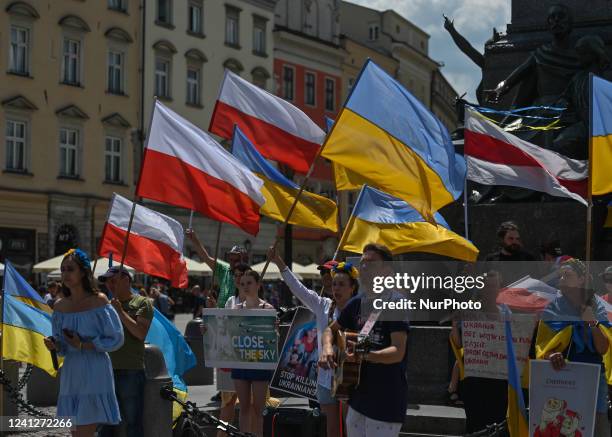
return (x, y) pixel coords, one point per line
(85, 328)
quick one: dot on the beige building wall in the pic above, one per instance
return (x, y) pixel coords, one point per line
(208, 52)
(35, 197)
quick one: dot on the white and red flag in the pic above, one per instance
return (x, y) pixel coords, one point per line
(184, 166)
(155, 245)
(279, 130)
(496, 157)
(528, 295)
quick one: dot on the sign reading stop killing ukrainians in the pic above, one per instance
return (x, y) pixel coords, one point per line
(297, 368)
(562, 402)
(240, 338)
(484, 345)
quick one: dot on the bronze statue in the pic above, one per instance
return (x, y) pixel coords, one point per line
(572, 141)
(467, 48)
(544, 75)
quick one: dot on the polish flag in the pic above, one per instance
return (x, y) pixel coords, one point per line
(496, 157)
(528, 295)
(155, 245)
(184, 166)
(279, 130)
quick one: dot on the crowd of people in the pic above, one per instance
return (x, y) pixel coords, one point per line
(101, 337)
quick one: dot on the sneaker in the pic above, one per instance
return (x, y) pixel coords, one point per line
(216, 398)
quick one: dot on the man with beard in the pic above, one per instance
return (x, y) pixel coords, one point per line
(511, 246)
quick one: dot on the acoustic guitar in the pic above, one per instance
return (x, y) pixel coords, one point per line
(348, 371)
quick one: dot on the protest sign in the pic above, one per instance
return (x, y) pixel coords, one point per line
(484, 345)
(240, 338)
(562, 402)
(296, 372)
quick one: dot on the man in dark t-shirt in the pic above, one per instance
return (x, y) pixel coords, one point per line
(511, 246)
(378, 404)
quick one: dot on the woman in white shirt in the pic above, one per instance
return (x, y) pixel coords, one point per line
(326, 310)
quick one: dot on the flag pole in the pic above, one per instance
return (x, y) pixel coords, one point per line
(349, 223)
(2, 297)
(589, 218)
(465, 209)
(212, 283)
(137, 199)
(190, 220)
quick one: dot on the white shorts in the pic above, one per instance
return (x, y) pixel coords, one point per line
(358, 425)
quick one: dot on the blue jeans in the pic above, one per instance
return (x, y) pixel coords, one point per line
(129, 388)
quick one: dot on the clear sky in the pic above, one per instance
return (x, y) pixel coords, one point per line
(474, 19)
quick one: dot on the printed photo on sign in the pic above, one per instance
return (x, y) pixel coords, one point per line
(297, 367)
(563, 402)
(484, 345)
(240, 338)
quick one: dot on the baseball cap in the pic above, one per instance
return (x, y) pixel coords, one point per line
(238, 249)
(112, 271)
(328, 265)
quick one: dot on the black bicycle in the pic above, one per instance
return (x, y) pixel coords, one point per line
(193, 422)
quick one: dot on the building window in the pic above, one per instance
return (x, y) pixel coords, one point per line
(117, 5)
(162, 78)
(164, 11)
(19, 51)
(193, 86)
(112, 159)
(232, 25)
(115, 72)
(69, 144)
(195, 17)
(373, 32)
(310, 85)
(288, 83)
(259, 35)
(71, 61)
(15, 145)
(330, 94)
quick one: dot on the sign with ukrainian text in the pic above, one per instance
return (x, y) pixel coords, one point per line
(563, 402)
(240, 338)
(485, 349)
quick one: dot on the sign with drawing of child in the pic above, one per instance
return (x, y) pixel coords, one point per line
(562, 403)
(297, 368)
(240, 338)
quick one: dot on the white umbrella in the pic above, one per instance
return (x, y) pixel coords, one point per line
(101, 268)
(48, 265)
(272, 272)
(307, 272)
(197, 268)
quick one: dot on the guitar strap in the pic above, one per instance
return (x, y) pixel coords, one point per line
(369, 324)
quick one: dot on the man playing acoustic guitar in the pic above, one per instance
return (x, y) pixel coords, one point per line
(377, 405)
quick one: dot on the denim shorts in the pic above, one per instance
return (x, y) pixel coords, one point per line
(324, 396)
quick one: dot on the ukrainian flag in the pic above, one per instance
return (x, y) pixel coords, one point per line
(15, 285)
(311, 211)
(23, 331)
(601, 133)
(387, 138)
(177, 354)
(517, 415)
(381, 218)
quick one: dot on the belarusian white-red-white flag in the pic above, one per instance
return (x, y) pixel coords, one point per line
(279, 130)
(496, 157)
(184, 166)
(155, 245)
(528, 295)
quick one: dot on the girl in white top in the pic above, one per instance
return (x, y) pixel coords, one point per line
(344, 286)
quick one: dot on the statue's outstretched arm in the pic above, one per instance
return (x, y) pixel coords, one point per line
(517, 76)
(463, 44)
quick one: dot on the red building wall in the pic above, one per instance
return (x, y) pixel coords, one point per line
(317, 112)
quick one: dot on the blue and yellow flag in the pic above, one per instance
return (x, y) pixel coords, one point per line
(311, 211)
(24, 329)
(16, 285)
(601, 125)
(386, 138)
(177, 354)
(517, 415)
(381, 218)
